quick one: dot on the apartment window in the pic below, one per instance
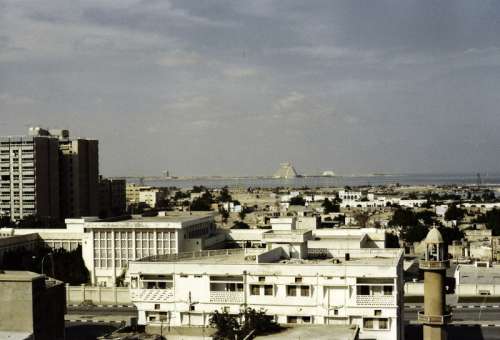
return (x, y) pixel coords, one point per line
(298, 280)
(254, 290)
(383, 324)
(268, 290)
(157, 306)
(291, 290)
(378, 312)
(368, 323)
(291, 319)
(388, 290)
(306, 319)
(304, 290)
(262, 279)
(363, 290)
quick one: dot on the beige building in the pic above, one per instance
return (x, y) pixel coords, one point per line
(33, 306)
(29, 175)
(144, 194)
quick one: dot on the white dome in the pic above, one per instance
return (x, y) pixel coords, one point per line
(434, 236)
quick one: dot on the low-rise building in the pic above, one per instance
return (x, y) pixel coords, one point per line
(362, 287)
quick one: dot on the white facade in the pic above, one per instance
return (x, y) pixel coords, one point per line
(108, 247)
(364, 288)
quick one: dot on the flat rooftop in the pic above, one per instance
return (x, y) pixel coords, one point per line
(330, 332)
(19, 275)
(169, 217)
(239, 256)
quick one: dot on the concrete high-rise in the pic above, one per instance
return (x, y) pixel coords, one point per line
(79, 175)
(435, 315)
(48, 174)
(29, 175)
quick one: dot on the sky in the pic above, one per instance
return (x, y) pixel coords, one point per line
(237, 87)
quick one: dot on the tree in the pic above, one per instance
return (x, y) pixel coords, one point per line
(362, 218)
(403, 217)
(392, 240)
(227, 326)
(451, 234)
(224, 195)
(240, 225)
(414, 233)
(330, 207)
(492, 220)
(454, 213)
(224, 214)
(202, 203)
(297, 200)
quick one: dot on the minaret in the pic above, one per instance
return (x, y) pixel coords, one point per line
(435, 315)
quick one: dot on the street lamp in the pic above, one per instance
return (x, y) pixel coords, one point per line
(51, 260)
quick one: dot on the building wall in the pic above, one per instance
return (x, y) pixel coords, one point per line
(29, 177)
(79, 169)
(34, 306)
(333, 294)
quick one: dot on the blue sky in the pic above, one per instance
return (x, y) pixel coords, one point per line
(236, 87)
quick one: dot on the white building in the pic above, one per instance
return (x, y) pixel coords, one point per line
(362, 287)
(108, 246)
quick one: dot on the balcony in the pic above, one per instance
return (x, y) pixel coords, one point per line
(433, 319)
(226, 297)
(434, 265)
(152, 295)
(375, 300)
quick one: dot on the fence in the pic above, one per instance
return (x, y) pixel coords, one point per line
(76, 295)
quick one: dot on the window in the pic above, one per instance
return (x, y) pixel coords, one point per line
(306, 319)
(298, 280)
(291, 290)
(368, 323)
(157, 306)
(262, 279)
(268, 290)
(304, 290)
(383, 324)
(254, 290)
(388, 290)
(363, 290)
(378, 312)
(291, 319)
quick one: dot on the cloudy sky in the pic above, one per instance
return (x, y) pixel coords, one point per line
(236, 87)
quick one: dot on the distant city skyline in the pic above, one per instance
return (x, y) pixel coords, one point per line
(238, 87)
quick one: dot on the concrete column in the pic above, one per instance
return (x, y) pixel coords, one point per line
(83, 291)
(434, 297)
(67, 294)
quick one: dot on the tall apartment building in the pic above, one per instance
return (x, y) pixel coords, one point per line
(29, 175)
(79, 173)
(48, 174)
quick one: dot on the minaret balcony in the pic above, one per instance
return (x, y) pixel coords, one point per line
(433, 265)
(433, 319)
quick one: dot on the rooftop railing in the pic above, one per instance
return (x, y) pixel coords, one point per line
(191, 255)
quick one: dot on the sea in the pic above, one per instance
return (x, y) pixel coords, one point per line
(327, 181)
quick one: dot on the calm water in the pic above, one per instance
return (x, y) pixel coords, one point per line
(337, 181)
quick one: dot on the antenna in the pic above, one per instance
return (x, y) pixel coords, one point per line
(479, 181)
